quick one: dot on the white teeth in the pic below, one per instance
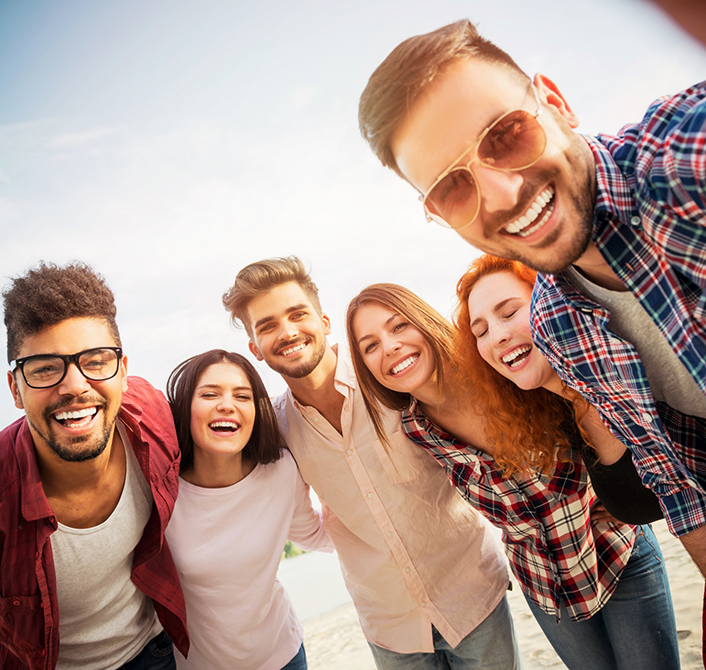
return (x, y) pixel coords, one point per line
(514, 354)
(286, 352)
(224, 424)
(518, 226)
(79, 414)
(404, 364)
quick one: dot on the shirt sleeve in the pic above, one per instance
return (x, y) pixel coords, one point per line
(670, 175)
(307, 527)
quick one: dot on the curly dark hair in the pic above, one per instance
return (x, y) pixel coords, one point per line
(266, 442)
(50, 294)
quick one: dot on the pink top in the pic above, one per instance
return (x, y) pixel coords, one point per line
(413, 552)
(227, 544)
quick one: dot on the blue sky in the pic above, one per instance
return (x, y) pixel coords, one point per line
(171, 143)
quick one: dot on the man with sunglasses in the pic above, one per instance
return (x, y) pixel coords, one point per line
(615, 225)
(88, 481)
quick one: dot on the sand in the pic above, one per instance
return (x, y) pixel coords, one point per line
(334, 640)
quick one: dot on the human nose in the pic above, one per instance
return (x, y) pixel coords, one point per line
(288, 331)
(390, 345)
(499, 189)
(226, 403)
(499, 334)
(74, 383)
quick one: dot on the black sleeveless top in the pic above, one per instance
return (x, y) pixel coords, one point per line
(617, 486)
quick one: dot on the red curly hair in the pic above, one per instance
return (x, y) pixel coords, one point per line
(527, 428)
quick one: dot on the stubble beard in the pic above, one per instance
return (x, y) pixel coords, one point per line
(580, 194)
(83, 447)
(300, 370)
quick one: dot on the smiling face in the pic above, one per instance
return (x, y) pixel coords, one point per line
(287, 331)
(75, 419)
(499, 307)
(397, 353)
(540, 215)
(222, 411)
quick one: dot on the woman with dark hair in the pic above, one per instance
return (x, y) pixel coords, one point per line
(596, 586)
(240, 498)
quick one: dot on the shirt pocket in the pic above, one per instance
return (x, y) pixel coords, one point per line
(401, 459)
(22, 626)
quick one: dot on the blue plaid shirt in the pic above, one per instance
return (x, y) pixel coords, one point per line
(650, 226)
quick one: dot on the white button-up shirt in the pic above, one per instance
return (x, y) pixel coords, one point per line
(412, 551)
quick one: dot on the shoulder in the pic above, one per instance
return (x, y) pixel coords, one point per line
(15, 443)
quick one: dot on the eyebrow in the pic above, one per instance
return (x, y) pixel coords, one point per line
(367, 337)
(220, 386)
(271, 317)
(496, 308)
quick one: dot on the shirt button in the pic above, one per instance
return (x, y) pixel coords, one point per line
(635, 220)
(646, 417)
(316, 419)
(349, 451)
(423, 604)
(408, 570)
(16, 603)
(370, 495)
(389, 533)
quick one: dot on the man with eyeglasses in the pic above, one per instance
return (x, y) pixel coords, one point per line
(615, 225)
(88, 481)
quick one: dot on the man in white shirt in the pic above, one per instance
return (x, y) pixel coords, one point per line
(425, 573)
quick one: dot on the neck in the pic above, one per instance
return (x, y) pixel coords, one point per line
(60, 477)
(452, 411)
(318, 390)
(212, 471)
(595, 268)
(317, 385)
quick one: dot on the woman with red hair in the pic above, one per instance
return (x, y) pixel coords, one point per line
(596, 586)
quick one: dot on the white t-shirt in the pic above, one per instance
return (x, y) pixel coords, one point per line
(104, 619)
(227, 544)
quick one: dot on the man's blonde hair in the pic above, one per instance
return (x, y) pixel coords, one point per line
(258, 278)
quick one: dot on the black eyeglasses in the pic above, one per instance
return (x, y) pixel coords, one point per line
(47, 370)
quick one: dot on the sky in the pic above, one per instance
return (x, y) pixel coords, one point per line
(169, 144)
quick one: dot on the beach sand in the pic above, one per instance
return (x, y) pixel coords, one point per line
(334, 640)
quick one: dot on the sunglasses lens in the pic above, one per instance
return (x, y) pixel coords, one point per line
(516, 141)
(453, 201)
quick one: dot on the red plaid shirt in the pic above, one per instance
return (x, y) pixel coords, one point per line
(29, 612)
(556, 553)
(650, 226)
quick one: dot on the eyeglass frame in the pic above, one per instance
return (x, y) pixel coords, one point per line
(19, 364)
(423, 196)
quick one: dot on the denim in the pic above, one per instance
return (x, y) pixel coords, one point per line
(298, 662)
(490, 646)
(634, 629)
(157, 654)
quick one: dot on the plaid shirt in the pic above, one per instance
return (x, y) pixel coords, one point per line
(555, 551)
(649, 225)
(29, 608)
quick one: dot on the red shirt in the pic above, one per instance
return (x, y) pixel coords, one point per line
(29, 612)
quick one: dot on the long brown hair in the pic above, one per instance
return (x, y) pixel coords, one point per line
(527, 427)
(437, 330)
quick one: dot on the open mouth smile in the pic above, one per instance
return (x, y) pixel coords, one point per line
(76, 418)
(535, 217)
(224, 426)
(293, 349)
(517, 357)
(403, 365)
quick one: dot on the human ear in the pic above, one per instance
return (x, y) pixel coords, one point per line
(327, 324)
(549, 93)
(255, 351)
(14, 390)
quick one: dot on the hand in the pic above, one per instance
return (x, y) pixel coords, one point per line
(599, 514)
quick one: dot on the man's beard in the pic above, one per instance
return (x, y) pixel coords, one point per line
(581, 193)
(300, 370)
(93, 445)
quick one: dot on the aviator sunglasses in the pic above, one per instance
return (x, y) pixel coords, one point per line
(514, 141)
